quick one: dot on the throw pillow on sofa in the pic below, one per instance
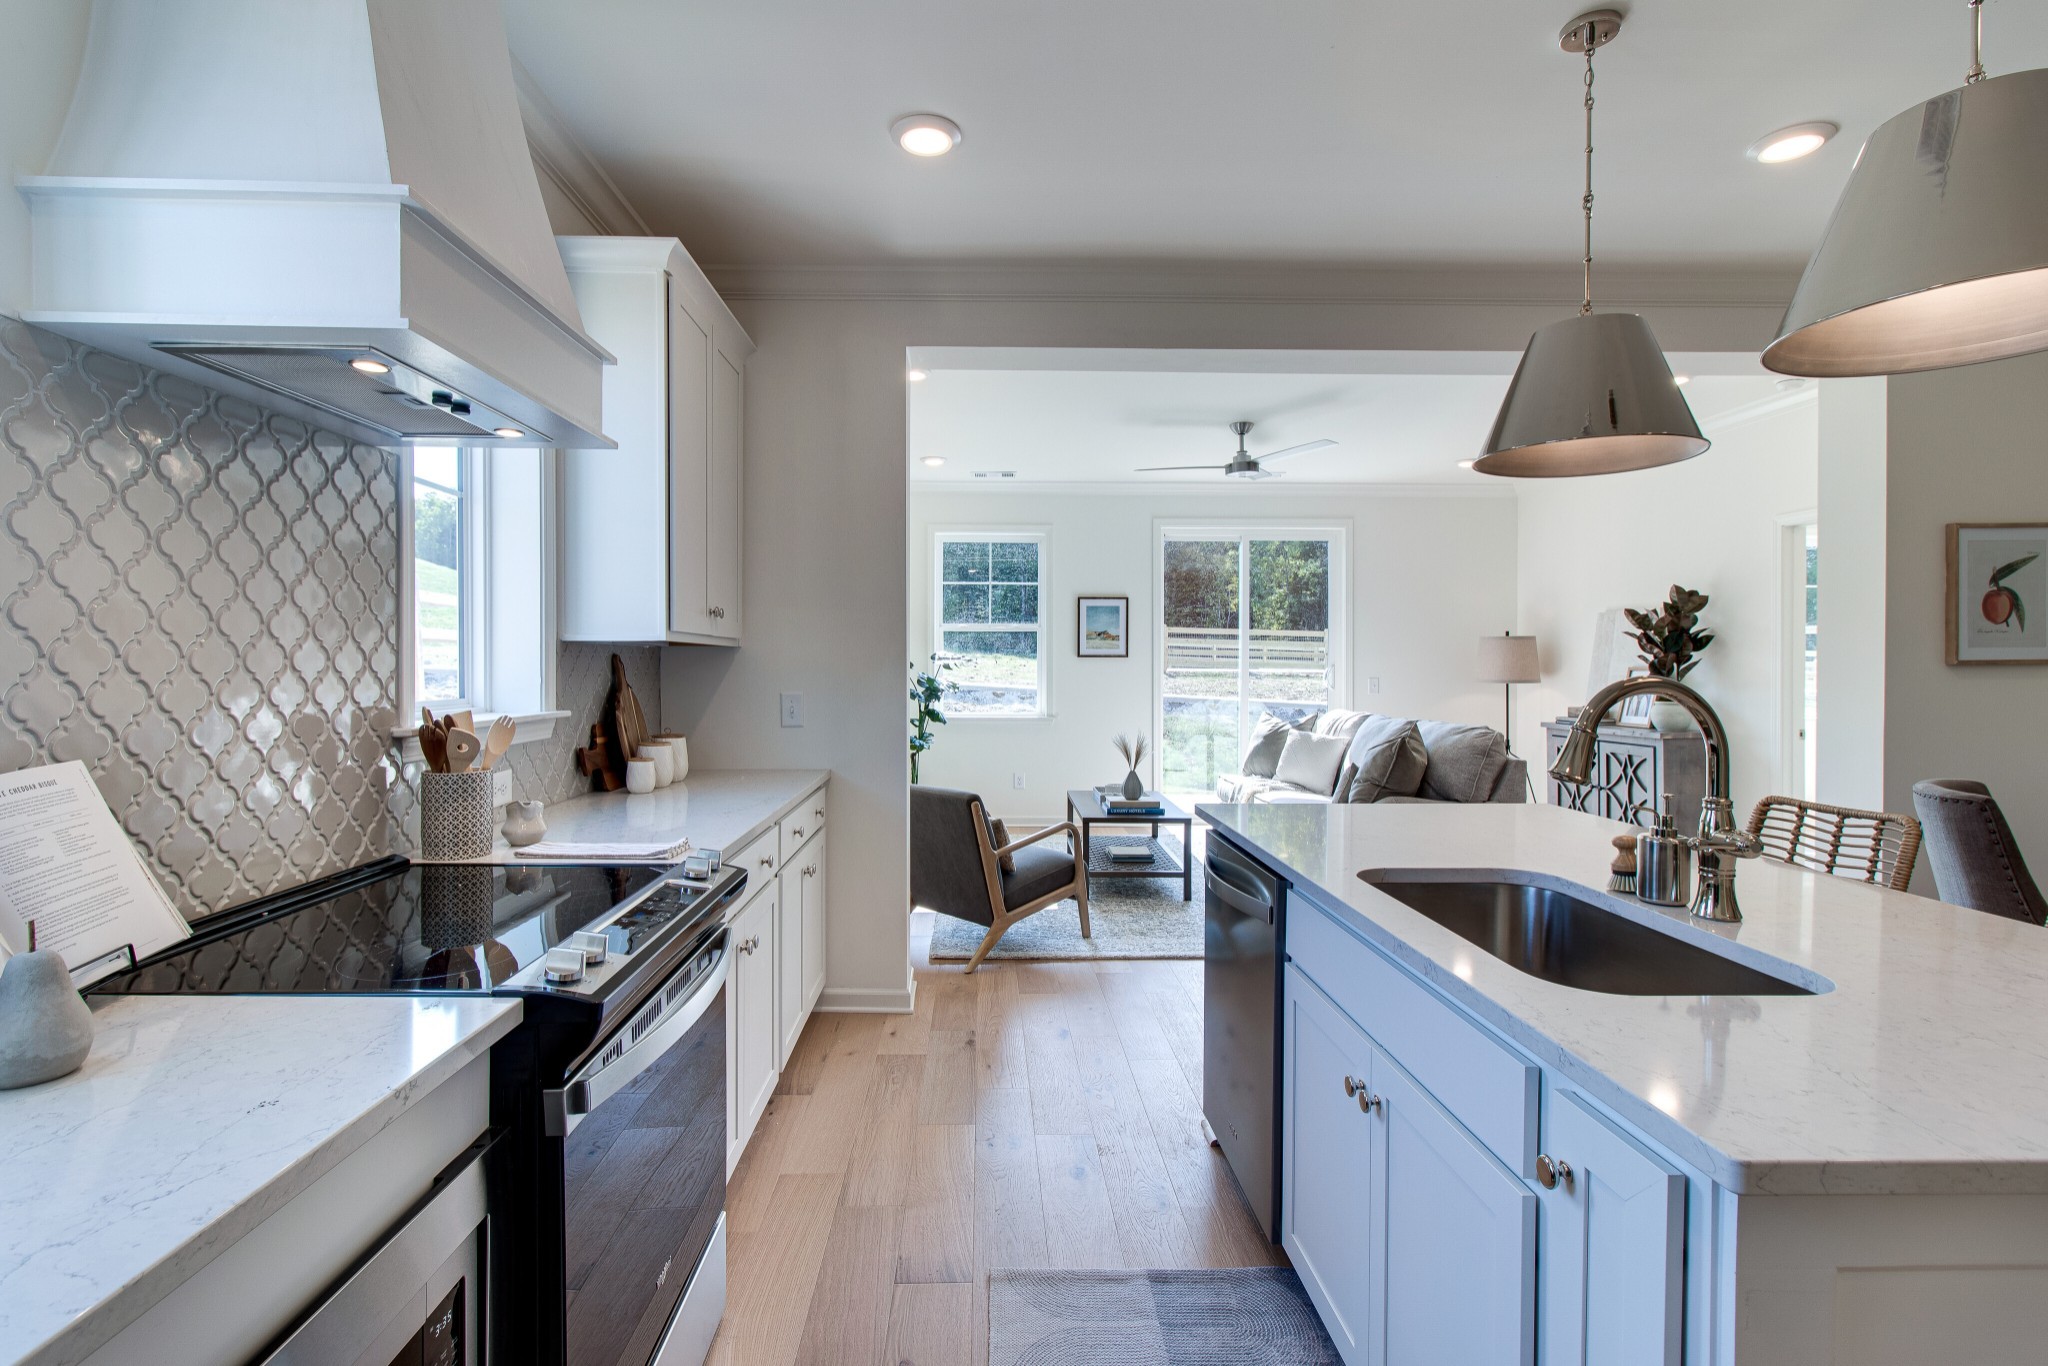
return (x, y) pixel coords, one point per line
(1262, 755)
(1310, 762)
(1464, 761)
(1386, 759)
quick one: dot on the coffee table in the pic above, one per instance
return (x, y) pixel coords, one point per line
(1084, 809)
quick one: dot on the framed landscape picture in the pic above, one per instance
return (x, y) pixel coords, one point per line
(1997, 593)
(1104, 625)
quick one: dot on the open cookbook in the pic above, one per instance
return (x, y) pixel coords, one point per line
(66, 864)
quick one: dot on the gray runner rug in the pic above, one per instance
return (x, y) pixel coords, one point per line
(1242, 1316)
(1129, 917)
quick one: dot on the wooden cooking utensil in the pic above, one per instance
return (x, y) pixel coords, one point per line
(434, 748)
(595, 763)
(498, 741)
(463, 747)
(461, 720)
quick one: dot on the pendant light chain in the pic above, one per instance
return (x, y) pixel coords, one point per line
(1592, 41)
(1976, 43)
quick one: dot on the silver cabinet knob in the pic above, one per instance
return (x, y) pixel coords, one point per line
(819, 813)
(750, 943)
(767, 861)
(811, 871)
(797, 830)
(1553, 1172)
(1352, 1086)
(1367, 1102)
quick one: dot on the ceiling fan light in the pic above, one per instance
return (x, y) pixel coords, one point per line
(1593, 395)
(1937, 254)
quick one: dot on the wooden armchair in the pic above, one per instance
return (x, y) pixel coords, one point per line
(1871, 846)
(956, 866)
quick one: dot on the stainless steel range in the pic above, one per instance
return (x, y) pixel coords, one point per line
(606, 1229)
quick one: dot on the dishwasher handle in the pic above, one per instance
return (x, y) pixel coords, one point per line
(1256, 900)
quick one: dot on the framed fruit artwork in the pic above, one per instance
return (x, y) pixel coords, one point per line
(1997, 593)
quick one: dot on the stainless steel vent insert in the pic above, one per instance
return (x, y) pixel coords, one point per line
(398, 400)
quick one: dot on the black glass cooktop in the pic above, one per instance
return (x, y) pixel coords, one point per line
(414, 928)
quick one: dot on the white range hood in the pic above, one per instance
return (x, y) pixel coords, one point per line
(325, 205)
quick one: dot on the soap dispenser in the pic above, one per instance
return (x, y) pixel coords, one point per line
(1664, 863)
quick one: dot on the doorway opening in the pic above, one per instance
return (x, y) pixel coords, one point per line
(1802, 656)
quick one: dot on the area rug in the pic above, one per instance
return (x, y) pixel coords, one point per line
(1243, 1316)
(1129, 917)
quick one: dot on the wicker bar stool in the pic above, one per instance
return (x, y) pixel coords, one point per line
(1871, 846)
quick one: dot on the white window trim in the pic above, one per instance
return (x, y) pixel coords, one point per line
(479, 605)
(1038, 535)
(1337, 531)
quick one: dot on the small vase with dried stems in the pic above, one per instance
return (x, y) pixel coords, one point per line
(1134, 754)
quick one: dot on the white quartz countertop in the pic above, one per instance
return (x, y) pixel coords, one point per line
(193, 1121)
(1924, 1070)
(715, 809)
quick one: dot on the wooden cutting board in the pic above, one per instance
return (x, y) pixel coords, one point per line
(628, 725)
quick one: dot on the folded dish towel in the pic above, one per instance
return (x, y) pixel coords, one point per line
(607, 853)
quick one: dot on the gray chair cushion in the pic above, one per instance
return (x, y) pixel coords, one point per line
(1262, 755)
(1042, 869)
(1311, 762)
(945, 854)
(1464, 760)
(1972, 852)
(1386, 758)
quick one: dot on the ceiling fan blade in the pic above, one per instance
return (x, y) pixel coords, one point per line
(1159, 469)
(1262, 474)
(1297, 450)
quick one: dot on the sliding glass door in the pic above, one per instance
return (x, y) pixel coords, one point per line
(1251, 623)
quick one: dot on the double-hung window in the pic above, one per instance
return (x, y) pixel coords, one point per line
(990, 622)
(448, 531)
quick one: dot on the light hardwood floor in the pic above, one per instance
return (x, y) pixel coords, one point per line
(1029, 1115)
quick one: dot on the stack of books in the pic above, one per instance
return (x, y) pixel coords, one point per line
(1115, 803)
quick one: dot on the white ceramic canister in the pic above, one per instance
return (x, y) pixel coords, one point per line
(679, 749)
(664, 764)
(639, 775)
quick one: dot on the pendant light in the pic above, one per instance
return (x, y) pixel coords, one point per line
(1938, 251)
(1593, 394)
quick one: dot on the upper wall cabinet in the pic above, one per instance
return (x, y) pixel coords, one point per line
(650, 535)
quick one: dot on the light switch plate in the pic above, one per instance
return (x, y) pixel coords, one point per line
(1372, 685)
(792, 709)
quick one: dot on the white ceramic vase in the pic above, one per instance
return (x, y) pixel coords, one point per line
(639, 775)
(1667, 715)
(663, 760)
(523, 824)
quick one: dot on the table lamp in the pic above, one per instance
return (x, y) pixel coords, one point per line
(1508, 659)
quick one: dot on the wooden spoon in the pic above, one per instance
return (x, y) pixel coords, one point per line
(463, 747)
(498, 741)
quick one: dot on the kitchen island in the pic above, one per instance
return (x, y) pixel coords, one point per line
(1856, 1169)
(219, 1160)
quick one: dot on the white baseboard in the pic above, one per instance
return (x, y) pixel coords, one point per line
(871, 1000)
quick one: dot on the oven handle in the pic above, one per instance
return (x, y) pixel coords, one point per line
(567, 1107)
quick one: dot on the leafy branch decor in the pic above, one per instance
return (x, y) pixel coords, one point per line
(1671, 637)
(928, 690)
(1133, 752)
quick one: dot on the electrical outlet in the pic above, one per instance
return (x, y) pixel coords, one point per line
(1372, 685)
(501, 786)
(1017, 781)
(792, 709)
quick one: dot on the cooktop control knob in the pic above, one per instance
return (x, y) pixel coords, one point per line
(563, 966)
(592, 944)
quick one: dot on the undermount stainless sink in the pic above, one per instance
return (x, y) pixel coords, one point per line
(1560, 938)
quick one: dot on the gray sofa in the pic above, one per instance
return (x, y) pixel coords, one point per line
(1351, 756)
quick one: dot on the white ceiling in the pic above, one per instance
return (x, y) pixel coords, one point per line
(1397, 420)
(1324, 131)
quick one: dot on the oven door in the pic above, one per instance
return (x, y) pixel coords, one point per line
(643, 1126)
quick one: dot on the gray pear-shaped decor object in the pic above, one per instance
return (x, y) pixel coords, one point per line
(45, 1026)
(1134, 786)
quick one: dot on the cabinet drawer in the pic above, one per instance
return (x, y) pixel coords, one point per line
(762, 858)
(804, 821)
(1490, 1089)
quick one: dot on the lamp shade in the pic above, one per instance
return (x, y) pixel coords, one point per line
(1593, 395)
(1508, 659)
(1938, 251)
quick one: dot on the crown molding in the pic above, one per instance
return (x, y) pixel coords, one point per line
(562, 159)
(1743, 414)
(1223, 282)
(1220, 488)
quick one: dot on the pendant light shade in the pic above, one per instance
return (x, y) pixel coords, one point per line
(1938, 251)
(1593, 395)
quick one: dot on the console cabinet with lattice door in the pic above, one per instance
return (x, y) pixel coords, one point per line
(1632, 770)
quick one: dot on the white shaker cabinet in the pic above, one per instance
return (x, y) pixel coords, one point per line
(1613, 1244)
(753, 1064)
(812, 873)
(650, 532)
(800, 939)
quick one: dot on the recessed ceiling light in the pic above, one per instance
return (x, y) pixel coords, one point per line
(370, 366)
(915, 375)
(509, 433)
(1466, 464)
(1790, 383)
(1790, 144)
(925, 135)
(934, 461)
(1681, 379)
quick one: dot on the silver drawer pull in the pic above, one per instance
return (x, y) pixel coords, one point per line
(750, 943)
(819, 813)
(767, 860)
(811, 871)
(797, 830)
(1552, 1172)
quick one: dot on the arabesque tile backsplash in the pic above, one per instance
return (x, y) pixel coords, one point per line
(201, 601)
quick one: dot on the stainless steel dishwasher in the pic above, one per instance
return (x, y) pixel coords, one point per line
(1243, 911)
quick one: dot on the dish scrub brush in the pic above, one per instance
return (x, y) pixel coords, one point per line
(1624, 866)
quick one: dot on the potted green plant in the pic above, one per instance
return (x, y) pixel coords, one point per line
(928, 692)
(1671, 641)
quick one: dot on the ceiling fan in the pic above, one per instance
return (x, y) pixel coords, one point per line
(1243, 465)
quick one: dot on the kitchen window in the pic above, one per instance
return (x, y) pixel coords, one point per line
(476, 584)
(990, 622)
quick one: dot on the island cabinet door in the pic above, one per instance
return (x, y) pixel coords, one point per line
(1460, 1230)
(1329, 1167)
(1613, 1244)
(752, 1003)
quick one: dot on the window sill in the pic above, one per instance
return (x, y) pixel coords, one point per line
(1019, 716)
(538, 725)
